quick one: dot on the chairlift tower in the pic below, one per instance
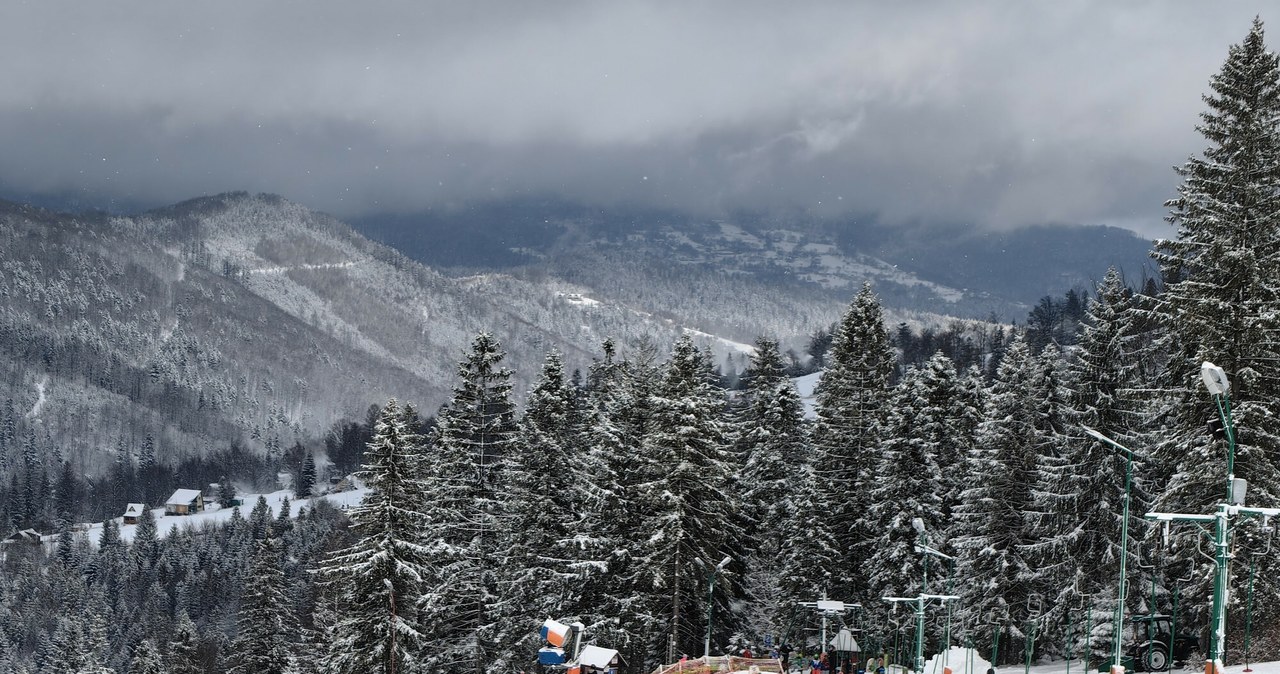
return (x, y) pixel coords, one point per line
(827, 608)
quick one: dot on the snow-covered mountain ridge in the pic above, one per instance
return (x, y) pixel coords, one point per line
(662, 262)
(250, 318)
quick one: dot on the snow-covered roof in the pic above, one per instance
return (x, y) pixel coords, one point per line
(183, 497)
(594, 656)
(134, 509)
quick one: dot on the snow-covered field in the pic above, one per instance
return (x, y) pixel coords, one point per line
(214, 514)
(961, 663)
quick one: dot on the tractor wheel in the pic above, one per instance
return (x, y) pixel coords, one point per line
(1156, 657)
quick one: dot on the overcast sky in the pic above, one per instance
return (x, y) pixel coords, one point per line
(996, 113)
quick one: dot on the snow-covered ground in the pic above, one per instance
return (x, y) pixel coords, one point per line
(729, 344)
(214, 514)
(969, 661)
(959, 663)
(282, 270)
(40, 399)
(805, 386)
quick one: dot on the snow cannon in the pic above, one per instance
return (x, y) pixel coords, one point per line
(550, 656)
(555, 633)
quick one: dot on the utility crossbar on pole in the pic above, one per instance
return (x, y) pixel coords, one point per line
(827, 608)
(1222, 554)
(919, 602)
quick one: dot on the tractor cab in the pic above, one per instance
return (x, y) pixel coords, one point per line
(1155, 647)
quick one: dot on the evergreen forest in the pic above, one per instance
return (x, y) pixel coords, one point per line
(611, 497)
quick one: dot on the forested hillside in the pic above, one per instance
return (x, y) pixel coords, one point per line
(239, 318)
(652, 259)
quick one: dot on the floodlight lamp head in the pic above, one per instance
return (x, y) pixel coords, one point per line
(917, 524)
(723, 563)
(1215, 379)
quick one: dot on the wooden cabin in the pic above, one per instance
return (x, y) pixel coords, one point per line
(30, 536)
(184, 502)
(132, 512)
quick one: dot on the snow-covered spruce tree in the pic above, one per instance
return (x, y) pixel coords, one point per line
(266, 626)
(932, 430)
(990, 528)
(1220, 305)
(541, 509)
(379, 580)
(946, 420)
(1106, 373)
(1053, 518)
(260, 520)
(183, 654)
(306, 476)
(910, 487)
(808, 551)
(146, 659)
(773, 441)
(690, 519)
(852, 399)
(615, 600)
(476, 430)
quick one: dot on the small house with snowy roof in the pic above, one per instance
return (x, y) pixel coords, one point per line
(132, 512)
(184, 502)
(596, 660)
(25, 536)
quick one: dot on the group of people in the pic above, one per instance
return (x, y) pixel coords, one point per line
(820, 663)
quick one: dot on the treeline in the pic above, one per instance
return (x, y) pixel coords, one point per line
(139, 602)
(47, 499)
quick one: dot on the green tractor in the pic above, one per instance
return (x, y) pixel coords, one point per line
(1156, 647)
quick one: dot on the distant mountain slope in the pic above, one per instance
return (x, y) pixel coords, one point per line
(245, 317)
(624, 254)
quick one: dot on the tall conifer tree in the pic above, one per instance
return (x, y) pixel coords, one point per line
(690, 521)
(476, 430)
(266, 625)
(852, 403)
(541, 510)
(1221, 295)
(380, 579)
(991, 525)
(773, 439)
(1106, 374)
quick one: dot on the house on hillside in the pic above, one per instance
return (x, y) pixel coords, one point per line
(184, 502)
(30, 536)
(132, 512)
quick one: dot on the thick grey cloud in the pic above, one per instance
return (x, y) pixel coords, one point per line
(1000, 113)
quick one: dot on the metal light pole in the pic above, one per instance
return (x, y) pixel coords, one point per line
(1116, 667)
(923, 548)
(711, 605)
(1215, 380)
